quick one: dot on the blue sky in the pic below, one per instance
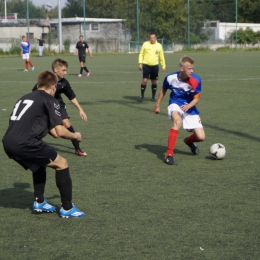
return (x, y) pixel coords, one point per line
(53, 3)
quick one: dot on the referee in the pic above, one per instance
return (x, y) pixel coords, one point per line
(149, 56)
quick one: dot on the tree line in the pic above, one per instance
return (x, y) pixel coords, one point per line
(167, 18)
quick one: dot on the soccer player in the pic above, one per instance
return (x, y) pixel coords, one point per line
(25, 53)
(185, 89)
(80, 50)
(41, 44)
(59, 67)
(149, 56)
(34, 115)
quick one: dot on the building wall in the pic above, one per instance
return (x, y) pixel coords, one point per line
(225, 28)
(17, 32)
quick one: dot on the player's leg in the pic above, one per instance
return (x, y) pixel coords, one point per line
(81, 67)
(64, 184)
(84, 66)
(75, 143)
(154, 78)
(192, 123)
(26, 65)
(176, 118)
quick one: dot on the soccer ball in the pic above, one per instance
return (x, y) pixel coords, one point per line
(217, 151)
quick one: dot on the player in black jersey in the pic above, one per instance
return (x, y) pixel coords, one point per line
(81, 47)
(60, 67)
(34, 115)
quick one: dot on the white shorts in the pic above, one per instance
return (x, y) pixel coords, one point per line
(189, 122)
(26, 56)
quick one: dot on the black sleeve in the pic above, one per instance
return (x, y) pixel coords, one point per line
(87, 45)
(35, 87)
(77, 45)
(68, 91)
(52, 107)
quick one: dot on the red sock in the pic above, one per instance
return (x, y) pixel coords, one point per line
(172, 139)
(26, 64)
(30, 63)
(191, 139)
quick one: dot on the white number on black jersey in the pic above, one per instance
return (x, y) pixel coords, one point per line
(18, 117)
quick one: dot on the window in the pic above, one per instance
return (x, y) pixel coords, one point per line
(90, 27)
(94, 27)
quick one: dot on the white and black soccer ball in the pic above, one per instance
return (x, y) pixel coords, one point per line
(217, 151)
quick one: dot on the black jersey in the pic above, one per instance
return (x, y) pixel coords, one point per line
(63, 87)
(33, 116)
(82, 46)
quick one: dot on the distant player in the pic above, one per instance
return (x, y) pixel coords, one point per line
(149, 56)
(34, 115)
(185, 89)
(25, 53)
(41, 45)
(59, 67)
(80, 50)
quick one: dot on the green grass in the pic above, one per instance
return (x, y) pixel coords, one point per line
(137, 206)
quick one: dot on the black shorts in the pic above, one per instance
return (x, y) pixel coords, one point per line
(35, 159)
(150, 72)
(82, 58)
(64, 114)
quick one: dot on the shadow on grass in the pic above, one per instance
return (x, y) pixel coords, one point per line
(57, 146)
(159, 150)
(18, 197)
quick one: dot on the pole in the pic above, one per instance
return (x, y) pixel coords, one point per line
(236, 22)
(84, 14)
(5, 10)
(137, 24)
(27, 18)
(60, 26)
(188, 29)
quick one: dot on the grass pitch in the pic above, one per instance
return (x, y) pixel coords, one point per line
(137, 206)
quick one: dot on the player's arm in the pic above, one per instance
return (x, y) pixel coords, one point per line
(63, 132)
(82, 114)
(193, 103)
(89, 53)
(159, 99)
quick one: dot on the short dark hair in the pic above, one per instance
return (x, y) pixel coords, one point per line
(151, 33)
(47, 79)
(185, 59)
(59, 63)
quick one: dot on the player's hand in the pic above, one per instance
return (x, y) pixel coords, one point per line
(140, 66)
(78, 136)
(156, 109)
(83, 115)
(164, 69)
(185, 108)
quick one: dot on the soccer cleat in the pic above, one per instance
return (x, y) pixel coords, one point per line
(32, 68)
(79, 152)
(141, 99)
(43, 207)
(154, 99)
(25, 70)
(74, 212)
(193, 147)
(88, 74)
(170, 160)
(79, 76)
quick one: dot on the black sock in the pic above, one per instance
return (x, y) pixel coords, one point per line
(81, 70)
(74, 142)
(64, 184)
(85, 68)
(39, 180)
(143, 87)
(154, 88)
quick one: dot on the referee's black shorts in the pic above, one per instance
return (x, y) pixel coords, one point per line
(64, 113)
(150, 72)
